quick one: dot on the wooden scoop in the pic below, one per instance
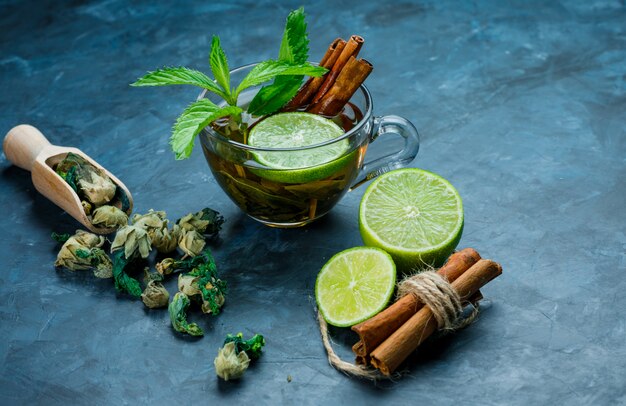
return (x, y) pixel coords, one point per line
(26, 147)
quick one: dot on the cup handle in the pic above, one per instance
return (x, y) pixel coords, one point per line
(390, 125)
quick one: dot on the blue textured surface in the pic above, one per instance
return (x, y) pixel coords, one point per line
(520, 105)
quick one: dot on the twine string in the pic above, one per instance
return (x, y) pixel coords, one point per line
(431, 289)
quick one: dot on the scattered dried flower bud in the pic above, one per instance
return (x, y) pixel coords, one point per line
(188, 284)
(82, 251)
(206, 221)
(155, 295)
(151, 221)
(109, 217)
(166, 240)
(95, 185)
(166, 267)
(134, 240)
(191, 242)
(229, 364)
(86, 206)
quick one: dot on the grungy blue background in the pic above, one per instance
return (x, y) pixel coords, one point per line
(521, 105)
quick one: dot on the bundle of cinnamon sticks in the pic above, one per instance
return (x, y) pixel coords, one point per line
(388, 338)
(328, 94)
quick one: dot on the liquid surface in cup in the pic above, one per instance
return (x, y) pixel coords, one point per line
(284, 197)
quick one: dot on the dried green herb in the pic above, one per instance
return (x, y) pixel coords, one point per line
(109, 217)
(213, 289)
(60, 238)
(234, 357)
(130, 242)
(206, 221)
(178, 315)
(134, 240)
(155, 295)
(252, 347)
(123, 281)
(229, 364)
(82, 251)
(191, 242)
(91, 184)
(166, 240)
(122, 197)
(188, 284)
(151, 221)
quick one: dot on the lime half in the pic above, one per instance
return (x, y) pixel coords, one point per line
(414, 215)
(293, 130)
(354, 285)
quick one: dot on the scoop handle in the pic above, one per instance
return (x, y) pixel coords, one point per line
(22, 145)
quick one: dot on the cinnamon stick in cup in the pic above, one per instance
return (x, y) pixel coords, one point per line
(352, 48)
(351, 77)
(395, 349)
(374, 331)
(310, 88)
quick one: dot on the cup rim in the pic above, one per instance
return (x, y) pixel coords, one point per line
(357, 128)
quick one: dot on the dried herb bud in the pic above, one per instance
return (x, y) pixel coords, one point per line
(166, 267)
(134, 240)
(89, 239)
(86, 206)
(151, 276)
(109, 217)
(89, 182)
(166, 240)
(82, 251)
(178, 316)
(229, 364)
(189, 284)
(151, 221)
(191, 242)
(95, 185)
(206, 221)
(155, 295)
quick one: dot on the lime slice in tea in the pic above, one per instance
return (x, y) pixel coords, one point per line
(354, 285)
(292, 130)
(414, 215)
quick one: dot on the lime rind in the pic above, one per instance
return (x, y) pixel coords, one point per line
(354, 285)
(388, 205)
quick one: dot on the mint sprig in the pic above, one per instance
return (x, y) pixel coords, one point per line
(294, 48)
(195, 117)
(219, 67)
(180, 76)
(288, 72)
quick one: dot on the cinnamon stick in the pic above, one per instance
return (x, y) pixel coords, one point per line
(352, 48)
(310, 88)
(374, 331)
(395, 349)
(350, 78)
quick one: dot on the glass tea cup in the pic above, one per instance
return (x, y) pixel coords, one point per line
(297, 196)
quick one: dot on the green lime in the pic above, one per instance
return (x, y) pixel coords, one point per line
(293, 130)
(414, 215)
(354, 285)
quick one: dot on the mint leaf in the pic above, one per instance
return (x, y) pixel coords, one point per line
(179, 76)
(294, 48)
(269, 69)
(195, 117)
(219, 65)
(271, 98)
